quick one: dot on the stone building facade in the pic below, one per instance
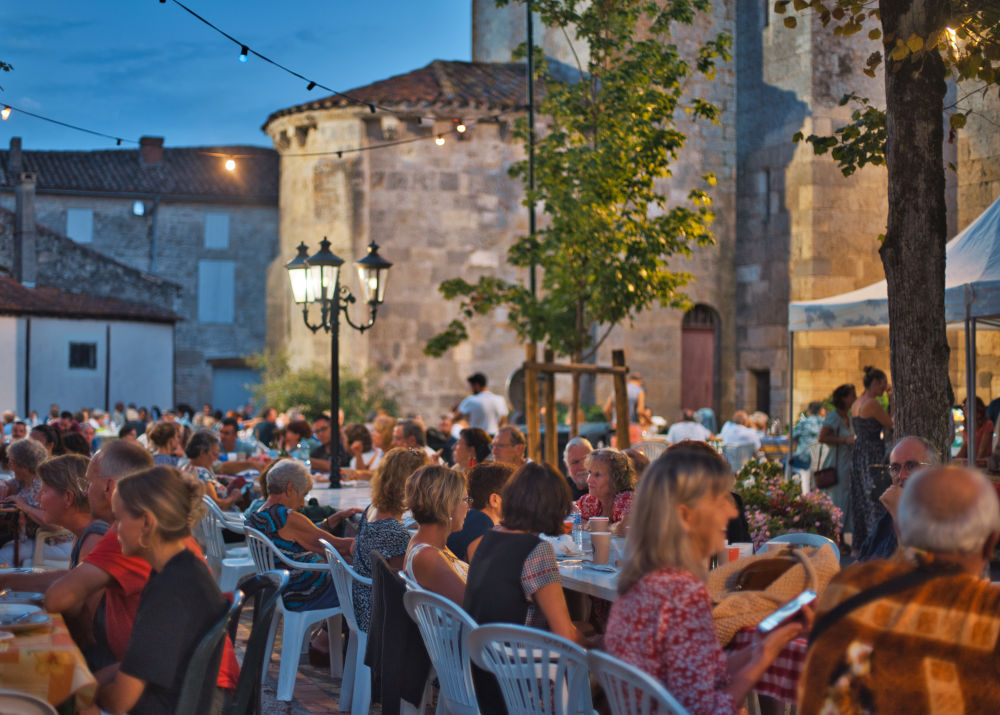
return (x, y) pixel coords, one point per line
(174, 214)
(789, 226)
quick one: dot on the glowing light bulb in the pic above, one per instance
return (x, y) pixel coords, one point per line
(230, 164)
(461, 128)
(244, 56)
(439, 141)
(5, 112)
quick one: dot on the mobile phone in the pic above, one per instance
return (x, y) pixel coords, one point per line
(786, 612)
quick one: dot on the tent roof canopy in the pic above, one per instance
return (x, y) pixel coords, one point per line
(972, 285)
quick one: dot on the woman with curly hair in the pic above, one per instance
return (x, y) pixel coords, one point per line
(611, 481)
(381, 528)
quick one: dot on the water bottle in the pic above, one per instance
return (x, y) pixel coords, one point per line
(577, 518)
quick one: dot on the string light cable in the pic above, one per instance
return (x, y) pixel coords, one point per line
(8, 108)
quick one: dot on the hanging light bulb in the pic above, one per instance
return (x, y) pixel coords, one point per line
(230, 164)
(244, 53)
(439, 141)
(5, 112)
(460, 127)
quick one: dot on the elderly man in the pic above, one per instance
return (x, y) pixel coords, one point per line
(575, 455)
(508, 446)
(737, 431)
(409, 434)
(918, 633)
(909, 456)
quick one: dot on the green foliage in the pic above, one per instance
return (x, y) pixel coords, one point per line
(308, 389)
(967, 41)
(609, 137)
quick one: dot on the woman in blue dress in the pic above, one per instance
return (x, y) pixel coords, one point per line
(870, 420)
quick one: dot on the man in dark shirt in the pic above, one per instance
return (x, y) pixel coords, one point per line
(319, 458)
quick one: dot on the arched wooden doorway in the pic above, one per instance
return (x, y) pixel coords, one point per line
(700, 359)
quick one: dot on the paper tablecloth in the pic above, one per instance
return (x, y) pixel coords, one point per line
(48, 665)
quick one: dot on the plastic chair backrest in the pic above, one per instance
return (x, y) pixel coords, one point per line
(444, 627)
(538, 672)
(411, 585)
(215, 547)
(204, 663)
(631, 691)
(651, 448)
(805, 540)
(262, 551)
(266, 589)
(344, 578)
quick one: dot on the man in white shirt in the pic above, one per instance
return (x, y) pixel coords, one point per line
(736, 432)
(483, 409)
(688, 428)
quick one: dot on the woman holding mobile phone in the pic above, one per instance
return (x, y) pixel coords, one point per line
(662, 620)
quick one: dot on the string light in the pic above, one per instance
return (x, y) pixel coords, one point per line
(460, 127)
(8, 108)
(243, 53)
(440, 140)
(5, 112)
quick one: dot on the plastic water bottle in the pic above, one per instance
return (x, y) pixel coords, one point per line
(577, 518)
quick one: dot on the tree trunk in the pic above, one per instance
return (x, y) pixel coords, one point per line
(574, 407)
(913, 253)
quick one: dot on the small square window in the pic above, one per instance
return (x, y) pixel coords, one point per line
(80, 225)
(83, 356)
(217, 231)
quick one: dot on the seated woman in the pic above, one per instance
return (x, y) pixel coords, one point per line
(381, 528)
(154, 510)
(984, 436)
(437, 498)
(165, 438)
(472, 447)
(611, 481)
(662, 620)
(514, 577)
(202, 452)
(365, 455)
(296, 537)
(23, 457)
(486, 482)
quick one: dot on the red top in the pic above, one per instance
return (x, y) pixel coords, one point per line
(663, 625)
(590, 506)
(123, 592)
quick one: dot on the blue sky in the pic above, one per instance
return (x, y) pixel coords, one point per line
(140, 67)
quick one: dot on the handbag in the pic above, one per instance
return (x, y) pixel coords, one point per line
(827, 477)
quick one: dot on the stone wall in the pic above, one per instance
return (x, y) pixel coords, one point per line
(128, 239)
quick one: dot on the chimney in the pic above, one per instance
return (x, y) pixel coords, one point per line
(14, 159)
(25, 252)
(150, 150)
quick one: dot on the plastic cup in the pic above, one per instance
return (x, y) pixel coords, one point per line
(568, 526)
(734, 553)
(601, 541)
(599, 523)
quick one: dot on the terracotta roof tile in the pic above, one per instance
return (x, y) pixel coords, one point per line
(183, 172)
(15, 299)
(491, 85)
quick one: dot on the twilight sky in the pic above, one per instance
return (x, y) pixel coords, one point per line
(141, 67)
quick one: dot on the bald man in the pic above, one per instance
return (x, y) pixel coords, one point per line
(918, 633)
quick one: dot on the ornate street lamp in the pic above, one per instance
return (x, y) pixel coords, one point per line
(315, 280)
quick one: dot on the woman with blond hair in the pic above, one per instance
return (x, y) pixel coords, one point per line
(381, 528)
(662, 620)
(154, 510)
(438, 500)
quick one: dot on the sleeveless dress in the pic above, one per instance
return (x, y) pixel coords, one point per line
(457, 565)
(869, 450)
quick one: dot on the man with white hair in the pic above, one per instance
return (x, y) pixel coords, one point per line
(575, 455)
(918, 633)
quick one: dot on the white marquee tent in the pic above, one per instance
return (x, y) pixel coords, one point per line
(972, 298)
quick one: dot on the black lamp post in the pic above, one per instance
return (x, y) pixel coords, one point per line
(316, 281)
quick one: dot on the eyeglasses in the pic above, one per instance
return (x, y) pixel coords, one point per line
(468, 500)
(494, 445)
(895, 469)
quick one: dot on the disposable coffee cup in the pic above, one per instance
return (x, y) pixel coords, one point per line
(599, 523)
(734, 553)
(601, 541)
(745, 548)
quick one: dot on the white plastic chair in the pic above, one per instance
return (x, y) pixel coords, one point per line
(444, 627)
(538, 672)
(411, 585)
(294, 624)
(805, 540)
(356, 685)
(631, 691)
(231, 520)
(229, 566)
(651, 448)
(738, 454)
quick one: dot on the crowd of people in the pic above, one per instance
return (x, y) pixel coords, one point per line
(480, 509)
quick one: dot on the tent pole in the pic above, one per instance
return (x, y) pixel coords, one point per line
(791, 400)
(970, 390)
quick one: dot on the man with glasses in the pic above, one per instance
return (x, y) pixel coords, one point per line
(508, 446)
(229, 443)
(909, 456)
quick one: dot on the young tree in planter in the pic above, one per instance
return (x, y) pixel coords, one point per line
(923, 41)
(600, 164)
